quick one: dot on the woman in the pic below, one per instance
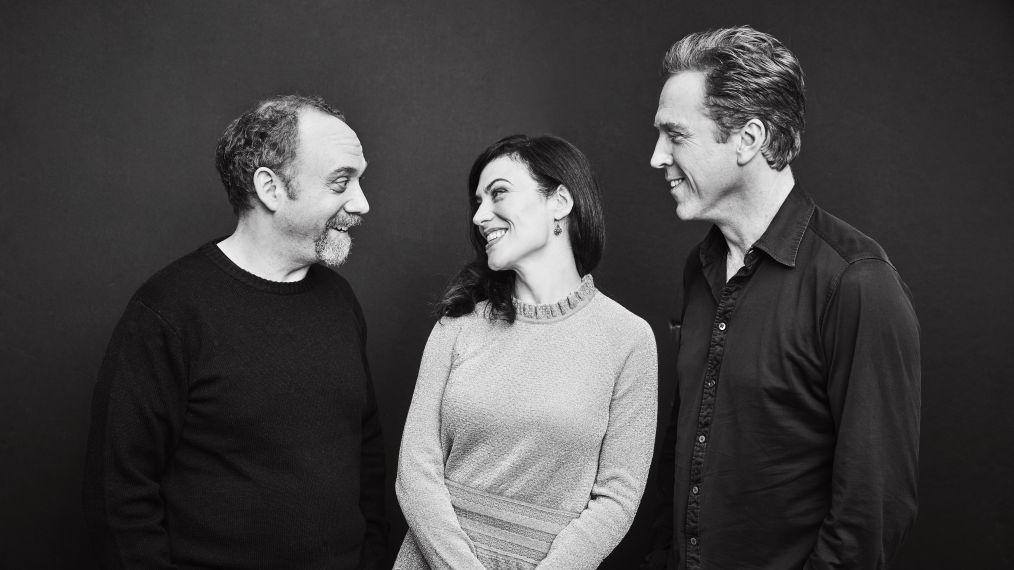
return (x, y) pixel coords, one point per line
(532, 424)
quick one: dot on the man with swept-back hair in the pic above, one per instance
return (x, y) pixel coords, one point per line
(234, 423)
(795, 426)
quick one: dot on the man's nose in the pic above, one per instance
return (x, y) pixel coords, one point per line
(661, 158)
(358, 204)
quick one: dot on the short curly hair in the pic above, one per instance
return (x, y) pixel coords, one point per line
(265, 136)
(748, 74)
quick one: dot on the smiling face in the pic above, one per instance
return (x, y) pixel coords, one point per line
(702, 173)
(513, 215)
(325, 196)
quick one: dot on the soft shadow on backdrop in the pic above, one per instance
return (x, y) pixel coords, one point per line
(111, 112)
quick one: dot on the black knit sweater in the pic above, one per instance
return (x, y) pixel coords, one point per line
(234, 425)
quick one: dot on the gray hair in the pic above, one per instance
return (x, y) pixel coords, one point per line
(748, 75)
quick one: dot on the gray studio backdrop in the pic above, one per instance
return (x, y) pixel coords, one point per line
(111, 111)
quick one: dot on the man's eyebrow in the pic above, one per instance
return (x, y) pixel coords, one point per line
(342, 171)
(671, 127)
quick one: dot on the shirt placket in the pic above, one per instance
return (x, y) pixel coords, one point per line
(716, 351)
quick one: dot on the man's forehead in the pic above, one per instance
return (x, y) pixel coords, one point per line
(326, 134)
(684, 85)
(315, 124)
(682, 97)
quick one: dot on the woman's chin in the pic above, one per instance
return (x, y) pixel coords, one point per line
(496, 265)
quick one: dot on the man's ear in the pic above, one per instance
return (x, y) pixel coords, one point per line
(269, 187)
(753, 136)
(561, 202)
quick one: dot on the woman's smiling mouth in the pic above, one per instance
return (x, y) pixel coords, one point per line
(494, 235)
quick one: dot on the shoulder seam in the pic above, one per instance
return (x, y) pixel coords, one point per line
(836, 281)
(847, 259)
(827, 242)
(161, 319)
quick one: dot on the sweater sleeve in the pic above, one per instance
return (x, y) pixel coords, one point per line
(420, 487)
(372, 481)
(624, 460)
(137, 415)
(372, 478)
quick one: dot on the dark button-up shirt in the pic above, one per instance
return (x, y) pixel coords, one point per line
(797, 402)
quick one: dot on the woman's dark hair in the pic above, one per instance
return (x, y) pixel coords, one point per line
(552, 162)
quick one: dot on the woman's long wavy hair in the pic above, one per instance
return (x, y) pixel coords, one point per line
(552, 162)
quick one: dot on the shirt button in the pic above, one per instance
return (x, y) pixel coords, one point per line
(695, 490)
(721, 326)
(701, 438)
(693, 541)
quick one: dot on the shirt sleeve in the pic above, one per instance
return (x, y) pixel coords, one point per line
(372, 479)
(137, 415)
(420, 486)
(665, 482)
(624, 460)
(871, 342)
(665, 461)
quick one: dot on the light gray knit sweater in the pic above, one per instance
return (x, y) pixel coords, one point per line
(528, 444)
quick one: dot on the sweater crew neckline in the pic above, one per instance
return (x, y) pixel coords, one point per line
(218, 257)
(562, 309)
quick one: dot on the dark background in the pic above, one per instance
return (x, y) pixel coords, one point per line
(111, 111)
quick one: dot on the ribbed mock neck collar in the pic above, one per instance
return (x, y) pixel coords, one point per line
(553, 312)
(219, 258)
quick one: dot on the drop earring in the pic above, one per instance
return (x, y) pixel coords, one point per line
(557, 230)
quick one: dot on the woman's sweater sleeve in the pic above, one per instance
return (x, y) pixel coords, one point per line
(624, 460)
(420, 487)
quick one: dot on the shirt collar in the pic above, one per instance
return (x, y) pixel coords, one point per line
(782, 238)
(713, 247)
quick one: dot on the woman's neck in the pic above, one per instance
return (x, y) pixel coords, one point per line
(544, 283)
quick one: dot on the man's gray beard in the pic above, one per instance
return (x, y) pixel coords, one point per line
(332, 253)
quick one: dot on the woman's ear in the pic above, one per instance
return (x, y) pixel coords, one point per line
(561, 202)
